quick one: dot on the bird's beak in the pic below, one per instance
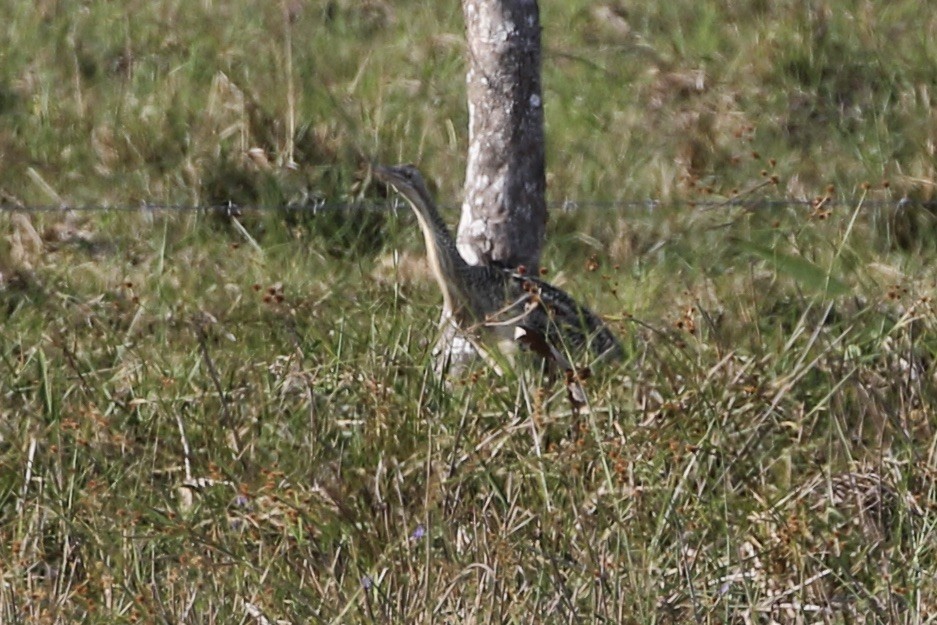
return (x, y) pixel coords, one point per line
(385, 174)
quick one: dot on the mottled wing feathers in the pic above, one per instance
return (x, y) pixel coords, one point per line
(527, 302)
(568, 323)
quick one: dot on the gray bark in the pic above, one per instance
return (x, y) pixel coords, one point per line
(504, 210)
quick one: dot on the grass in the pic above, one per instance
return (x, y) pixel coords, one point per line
(215, 419)
(158, 102)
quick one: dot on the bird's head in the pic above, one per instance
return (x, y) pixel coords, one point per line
(406, 179)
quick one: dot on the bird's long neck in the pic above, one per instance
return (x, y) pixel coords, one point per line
(444, 258)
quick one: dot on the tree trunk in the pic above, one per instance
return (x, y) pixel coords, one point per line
(504, 210)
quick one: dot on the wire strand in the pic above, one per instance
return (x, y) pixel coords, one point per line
(563, 205)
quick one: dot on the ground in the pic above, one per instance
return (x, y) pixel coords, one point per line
(231, 415)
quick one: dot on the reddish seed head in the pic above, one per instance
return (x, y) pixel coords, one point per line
(522, 269)
(543, 271)
(885, 184)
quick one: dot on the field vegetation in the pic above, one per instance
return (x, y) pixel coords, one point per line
(229, 414)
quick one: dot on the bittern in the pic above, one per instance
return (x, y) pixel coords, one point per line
(509, 303)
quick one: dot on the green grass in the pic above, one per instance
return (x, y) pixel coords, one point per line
(202, 418)
(120, 103)
(190, 424)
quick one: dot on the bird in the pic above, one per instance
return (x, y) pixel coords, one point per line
(505, 302)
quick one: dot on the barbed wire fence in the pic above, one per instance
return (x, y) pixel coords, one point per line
(271, 296)
(566, 206)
